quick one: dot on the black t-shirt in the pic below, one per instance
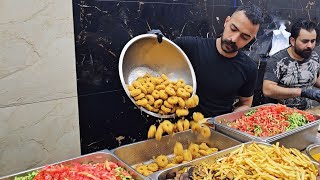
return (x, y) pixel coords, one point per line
(219, 79)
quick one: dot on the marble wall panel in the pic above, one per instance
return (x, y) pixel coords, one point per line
(37, 59)
(38, 95)
(36, 134)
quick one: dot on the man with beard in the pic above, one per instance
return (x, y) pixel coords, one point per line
(292, 73)
(225, 73)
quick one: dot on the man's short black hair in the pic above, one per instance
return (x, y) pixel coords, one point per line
(253, 13)
(302, 24)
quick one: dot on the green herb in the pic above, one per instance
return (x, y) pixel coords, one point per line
(257, 130)
(30, 176)
(249, 113)
(118, 169)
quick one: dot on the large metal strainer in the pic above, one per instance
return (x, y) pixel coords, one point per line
(146, 54)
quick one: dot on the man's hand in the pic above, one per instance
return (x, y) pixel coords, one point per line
(154, 31)
(313, 94)
(158, 33)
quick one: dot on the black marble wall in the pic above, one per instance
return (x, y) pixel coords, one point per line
(102, 27)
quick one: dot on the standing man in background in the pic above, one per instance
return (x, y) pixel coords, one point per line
(292, 73)
(225, 73)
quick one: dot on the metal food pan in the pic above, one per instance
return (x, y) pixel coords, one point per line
(144, 151)
(298, 138)
(311, 150)
(207, 159)
(97, 157)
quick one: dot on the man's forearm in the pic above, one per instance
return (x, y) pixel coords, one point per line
(277, 92)
(241, 107)
(244, 103)
(285, 93)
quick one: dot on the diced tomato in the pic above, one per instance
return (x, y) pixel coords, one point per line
(99, 171)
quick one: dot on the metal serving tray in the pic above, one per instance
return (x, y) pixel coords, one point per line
(207, 159)
(97, 157)
(142, 152)
(298, 138)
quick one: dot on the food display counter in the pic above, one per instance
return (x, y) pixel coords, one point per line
(237, 155)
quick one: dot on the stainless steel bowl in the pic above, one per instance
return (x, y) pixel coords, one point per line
(313, 149)
(144, 54)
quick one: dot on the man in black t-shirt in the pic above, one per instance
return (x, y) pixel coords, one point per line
(291, 73)
(225, 73)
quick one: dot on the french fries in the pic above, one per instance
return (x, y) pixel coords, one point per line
(257, 161)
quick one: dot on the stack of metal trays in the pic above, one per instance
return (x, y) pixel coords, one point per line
(168, 173)
(97, 157)
(298, 138)
(144, 151)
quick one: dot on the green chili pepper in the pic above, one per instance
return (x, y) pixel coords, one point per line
(249, 113)
(296, 120)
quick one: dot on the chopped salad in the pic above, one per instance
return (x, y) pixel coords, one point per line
(268, 121)
(99, 171)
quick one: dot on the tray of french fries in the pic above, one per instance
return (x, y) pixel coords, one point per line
(241, 126)
(152, 156)
(251, 160)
